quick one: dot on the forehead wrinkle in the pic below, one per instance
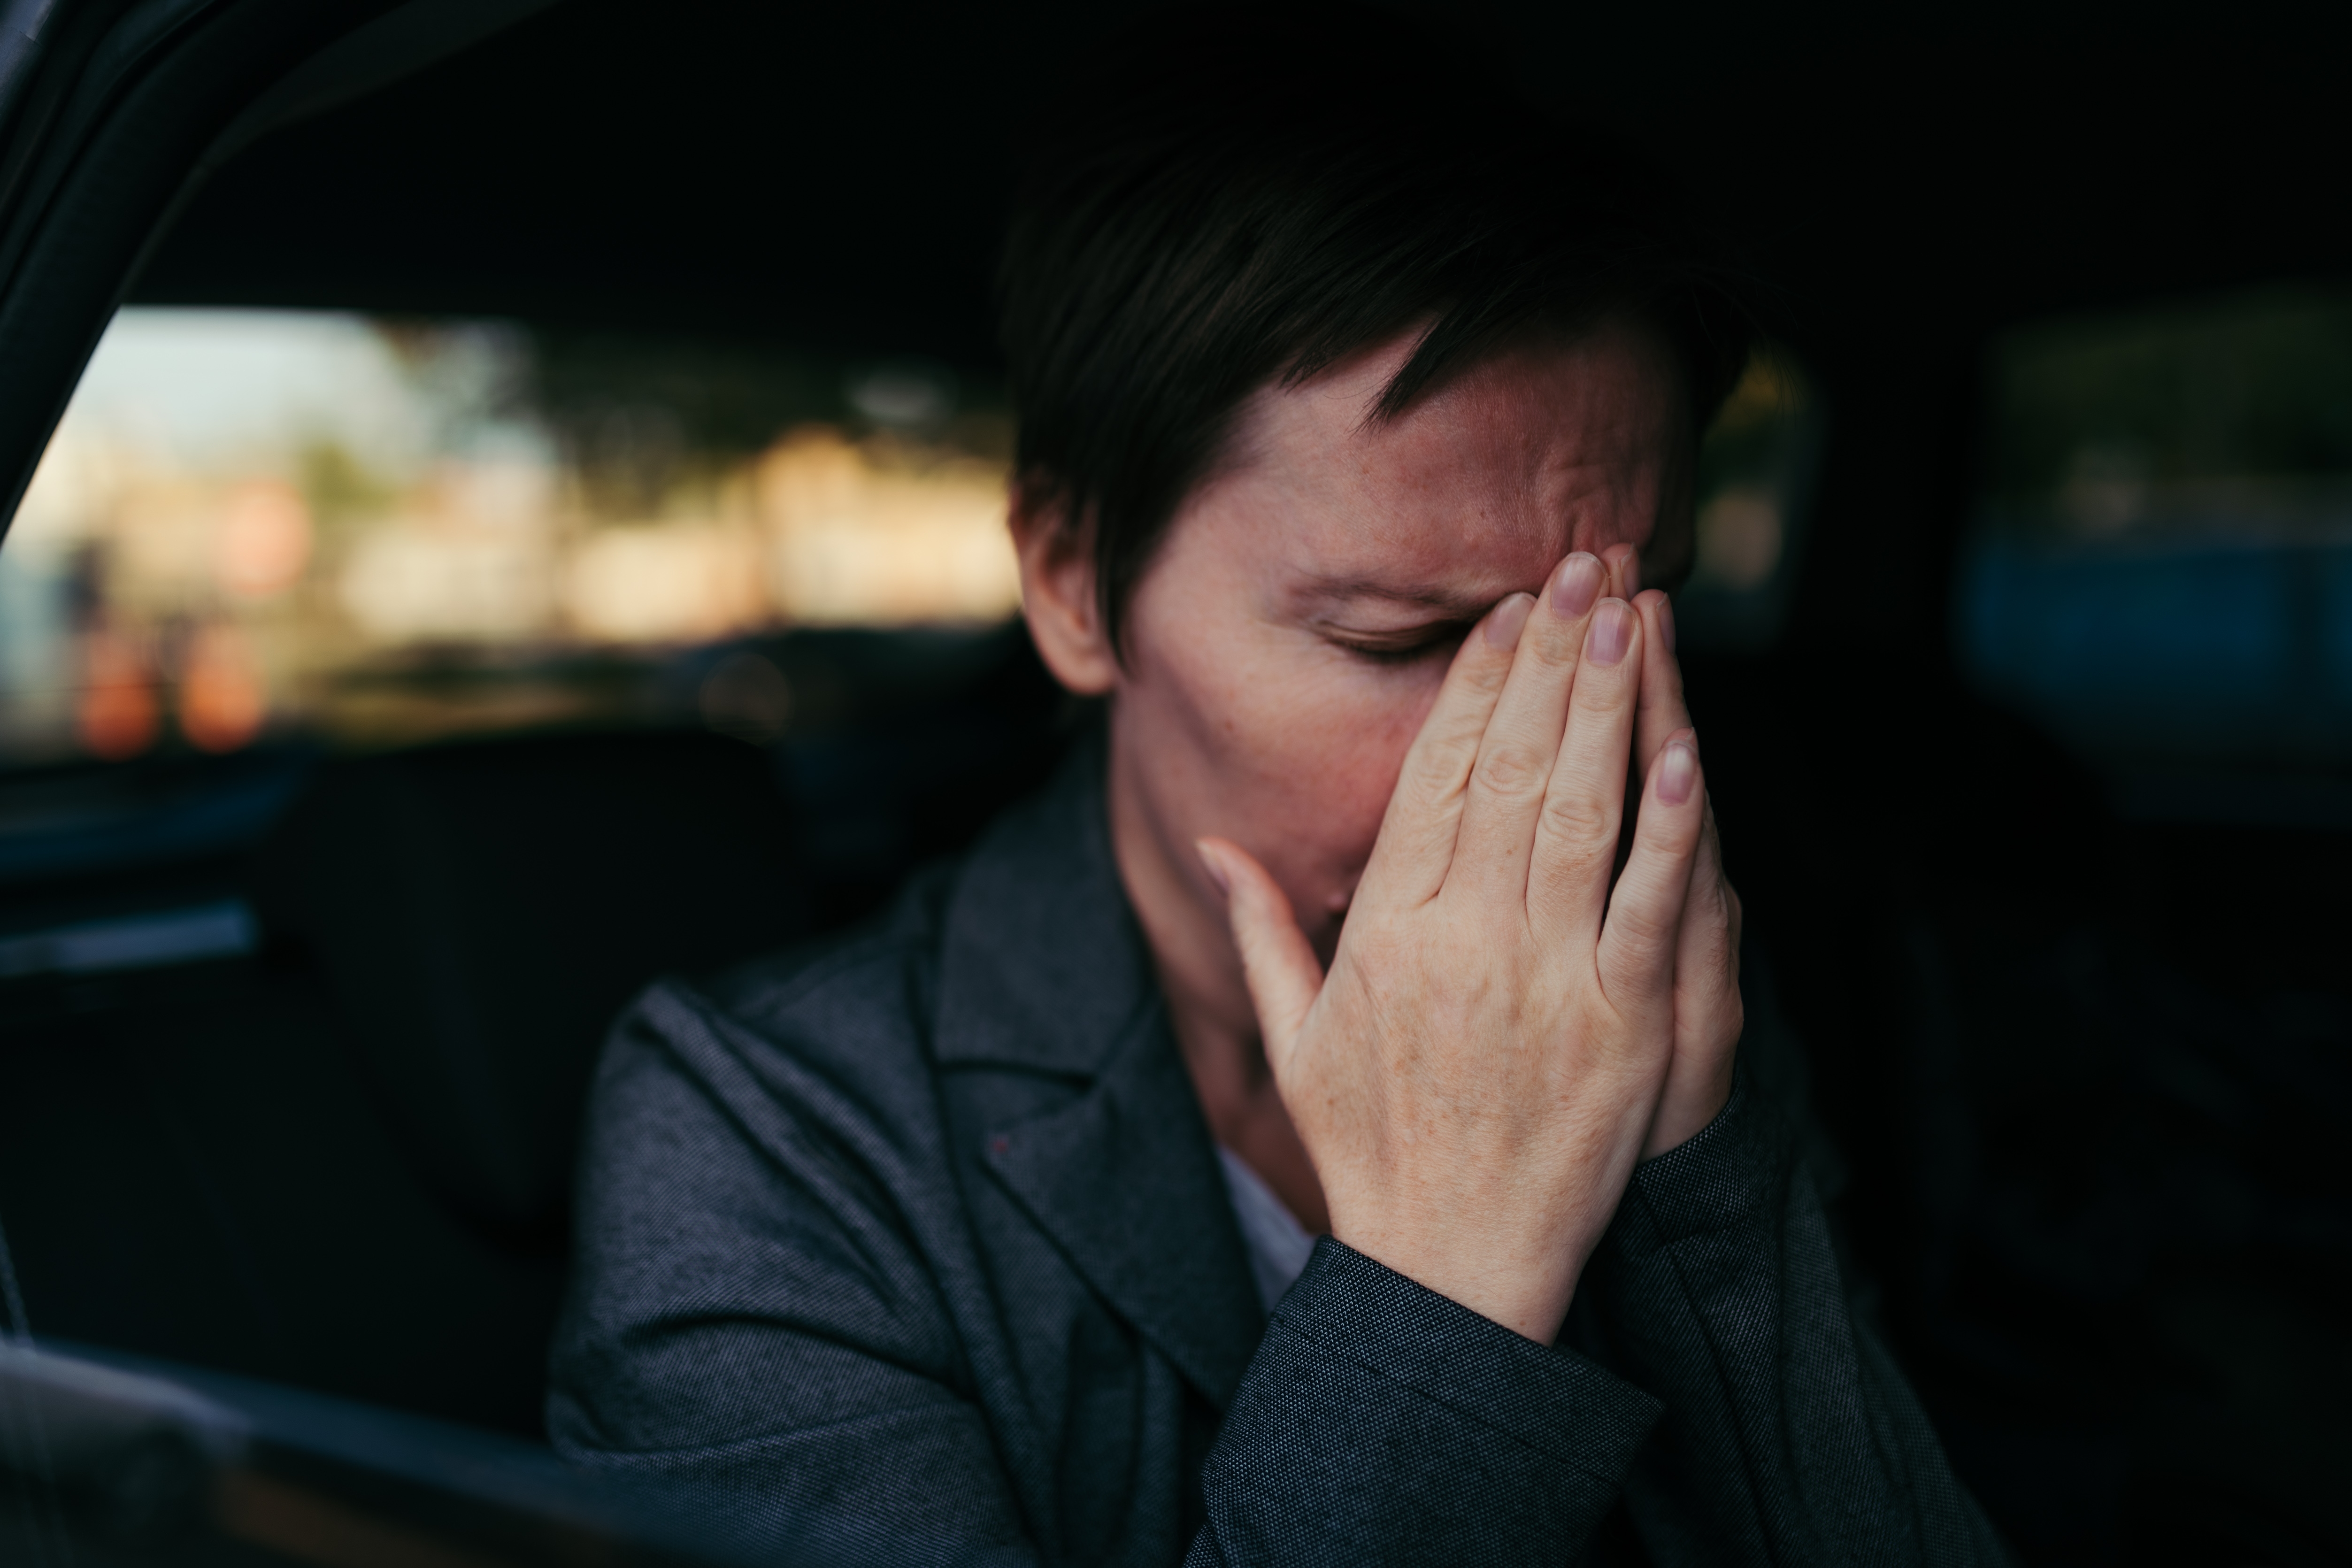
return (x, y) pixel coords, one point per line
(1556, 485)
(1473, 493)
(1456, 557)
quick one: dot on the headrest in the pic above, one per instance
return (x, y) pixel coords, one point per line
(481, 912)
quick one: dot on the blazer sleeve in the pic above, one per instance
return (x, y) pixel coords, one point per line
(1789, 1434)
(1380, 1421)
(749, 1330)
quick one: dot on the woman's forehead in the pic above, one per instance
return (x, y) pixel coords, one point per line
(1471, 492)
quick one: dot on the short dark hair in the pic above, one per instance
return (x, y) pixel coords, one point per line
(1232, 199)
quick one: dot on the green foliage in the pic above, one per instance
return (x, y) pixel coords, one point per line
(342, 490)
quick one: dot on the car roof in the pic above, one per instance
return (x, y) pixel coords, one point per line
(834, 173)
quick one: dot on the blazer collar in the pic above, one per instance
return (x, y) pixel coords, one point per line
(1043, 969)
(1043, 965)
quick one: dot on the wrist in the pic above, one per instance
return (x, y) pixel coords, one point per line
(1524, 1290)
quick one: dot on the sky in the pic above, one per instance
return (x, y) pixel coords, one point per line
(214, 387)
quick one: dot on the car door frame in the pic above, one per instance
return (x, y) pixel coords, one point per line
(113, 112)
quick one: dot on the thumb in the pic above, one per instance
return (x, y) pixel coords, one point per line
(1277, 961)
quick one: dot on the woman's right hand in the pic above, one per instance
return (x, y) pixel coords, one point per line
(1490, 1054)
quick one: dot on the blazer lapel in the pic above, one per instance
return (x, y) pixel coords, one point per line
(1044, 970)
(1126, 1181)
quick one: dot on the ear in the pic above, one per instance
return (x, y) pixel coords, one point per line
(1057, 591)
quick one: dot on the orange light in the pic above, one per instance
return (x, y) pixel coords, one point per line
(264, 540)
(116, 715)
(222, 704)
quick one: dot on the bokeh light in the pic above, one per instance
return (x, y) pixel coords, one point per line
(259, 523)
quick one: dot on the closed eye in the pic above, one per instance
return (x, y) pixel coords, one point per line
(1407, 646)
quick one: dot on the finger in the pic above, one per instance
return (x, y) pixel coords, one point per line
(1624, 564)
(1707, 956)
(1584, 804)
(1416, 840)
(1277, 961)
(1664, 711)
(1643, 936)
(1708, 1014)
(1515, 754)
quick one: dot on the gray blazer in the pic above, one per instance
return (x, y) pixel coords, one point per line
(915, 1249)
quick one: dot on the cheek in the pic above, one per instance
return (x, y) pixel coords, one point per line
(1235, 723)
(1347, 751)
(1308, 754)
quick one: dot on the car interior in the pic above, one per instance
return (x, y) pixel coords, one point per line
(2021, 644)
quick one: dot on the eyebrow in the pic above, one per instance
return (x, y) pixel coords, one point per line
(1454, 606)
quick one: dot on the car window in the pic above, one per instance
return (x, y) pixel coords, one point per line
(2160, 569)
(268, 525)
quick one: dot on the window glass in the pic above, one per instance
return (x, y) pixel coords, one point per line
(2161, 569)
(256, 524)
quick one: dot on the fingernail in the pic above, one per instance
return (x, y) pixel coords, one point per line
(1216, 872)
(1666, 621)
(1576, 584)
(1504, 621)
(1676, 774)
(1632, 583)
(1612, 633)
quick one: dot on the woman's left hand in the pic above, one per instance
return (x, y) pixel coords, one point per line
(1507, 1025)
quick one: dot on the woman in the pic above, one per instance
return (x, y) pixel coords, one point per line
(1309, 1132)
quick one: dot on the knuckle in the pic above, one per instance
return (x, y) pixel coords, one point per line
(1608, 686)
(1581, 814)
(1490, 674)
(1666, 829)
(1510, 768)
(1645, 901)
(1422, 786)
(1575, 866)
(1441, 765)
(1571, 886)
(1641, 930)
